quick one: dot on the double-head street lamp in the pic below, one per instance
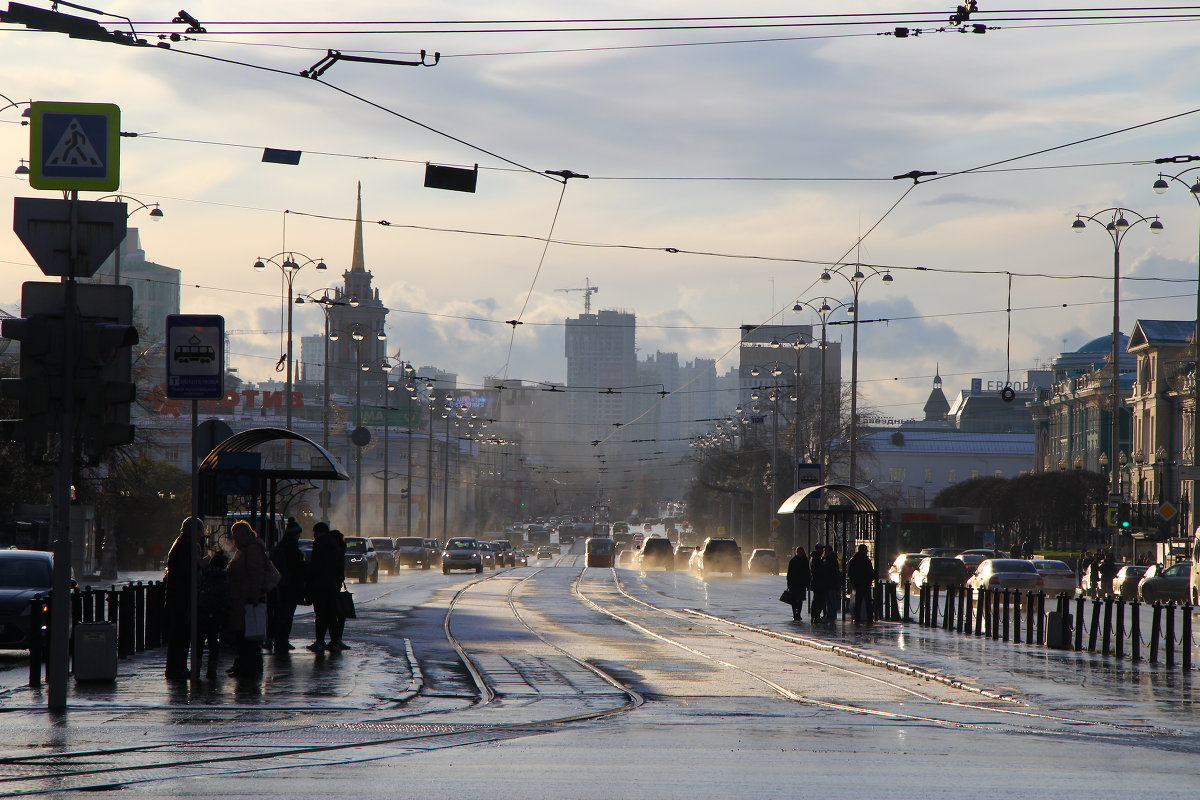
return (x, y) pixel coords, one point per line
(23, 167)
(156, 215)
(326, 304)
(289, 266)
(1160, 186)
(823, 307)
(862, 273)
(359, 437)
(1116, 223)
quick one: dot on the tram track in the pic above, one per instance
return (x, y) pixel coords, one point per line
(619, 604)
(79, 770)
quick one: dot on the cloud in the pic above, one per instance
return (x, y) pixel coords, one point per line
(959, 199)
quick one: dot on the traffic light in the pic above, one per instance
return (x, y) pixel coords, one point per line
(103, 389)
(37, 388)
(1123, 517)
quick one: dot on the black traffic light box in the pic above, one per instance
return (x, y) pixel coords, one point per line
(102, 389)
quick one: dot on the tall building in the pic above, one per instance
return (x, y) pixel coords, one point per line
(155, 287)
(601, 369)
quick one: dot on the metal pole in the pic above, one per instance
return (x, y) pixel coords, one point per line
(358, 448)
(325, 414)
(854, 392)
(386, 440)
(446, 480)
(429, 475)
(287, 397)
(409, 470)
(1115, 422)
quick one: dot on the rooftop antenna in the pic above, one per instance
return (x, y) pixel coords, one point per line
(588, 290)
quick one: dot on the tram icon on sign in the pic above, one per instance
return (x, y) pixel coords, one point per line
(194, 352)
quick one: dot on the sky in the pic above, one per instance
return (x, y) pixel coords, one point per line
(726, 171)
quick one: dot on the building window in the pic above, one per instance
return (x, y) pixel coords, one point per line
(998, 473)
(896, 474)
(951, 475)
(928, 475)
(974, 474)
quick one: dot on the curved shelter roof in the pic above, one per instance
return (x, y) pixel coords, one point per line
(857, 497)
(325, 468)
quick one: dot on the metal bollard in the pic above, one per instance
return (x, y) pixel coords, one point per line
(980, 610)
(964, 604)
(36, 620)
(948, 617)
(893, 602)
(907, 594)
(1094, 629)
(1155, 631)
(934, 595)
(76, 607)
(1108, 619)
(156, 614)
(113, 597)
(89, 604)
(125, 622)
(139, 617)
(1029, 621)
(1135, 630)
(1186, 647)
(1005, 602)
(1041, 616)
(1017, 615)
(994, 622)
(1079, 601)
(1170, 635)
(1119, 650)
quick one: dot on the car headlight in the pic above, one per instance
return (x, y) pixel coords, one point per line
(355, 559)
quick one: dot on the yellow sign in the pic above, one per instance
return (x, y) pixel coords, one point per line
(1167, 511)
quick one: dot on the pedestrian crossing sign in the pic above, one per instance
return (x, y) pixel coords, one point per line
(75, 146)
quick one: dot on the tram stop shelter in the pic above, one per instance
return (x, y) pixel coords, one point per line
(835, 515)
(258, 475)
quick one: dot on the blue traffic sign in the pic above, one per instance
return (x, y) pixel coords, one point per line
(195, 356)
(75, 146)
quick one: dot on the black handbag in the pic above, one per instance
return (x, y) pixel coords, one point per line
(786, 597)
(346, 603)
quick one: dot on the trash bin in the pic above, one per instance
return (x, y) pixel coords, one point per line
(95, 651)
(1059, 630)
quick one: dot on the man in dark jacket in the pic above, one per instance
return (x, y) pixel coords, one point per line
(861, 573)
(181, 580)
(288, 559)
(325, 573)
(799, 576)
(831, 569)
(818, 584)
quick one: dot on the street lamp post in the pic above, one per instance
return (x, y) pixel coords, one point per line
(826, 308)
(856, 280)
(326, 304)
(156, 215)
(1117, 225)
(1160, 186)
(289, 267)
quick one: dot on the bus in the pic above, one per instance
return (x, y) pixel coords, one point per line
(600, 551)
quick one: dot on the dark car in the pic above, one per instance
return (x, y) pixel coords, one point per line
(973, 558)
(940, 571)
(719, 555)
(411, 552)
(462, 553)
(1163, 584)
(506, 556)
(434, 549)
(385, 554)
(763, 561)
(23, 573)
(360, 560)
(657, 552)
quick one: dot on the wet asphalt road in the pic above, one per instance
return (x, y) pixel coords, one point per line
(556, 681)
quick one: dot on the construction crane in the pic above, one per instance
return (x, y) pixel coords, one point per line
(588, 290)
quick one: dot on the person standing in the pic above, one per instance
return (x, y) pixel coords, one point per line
(326, 569)
(339, 618)
(820, 592)
(799, 576)
(214, 608)
(1108, 571)
(247, 587)
(288, 559)
(180, 579)
(861, 573)
(833, 584)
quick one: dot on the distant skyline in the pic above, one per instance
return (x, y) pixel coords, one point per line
(724, 177)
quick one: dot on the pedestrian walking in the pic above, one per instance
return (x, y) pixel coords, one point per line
(818, 584)
(288, 559)
(326, 571)
(248, 586)
(833, 584)
(180, 579)
(214, 608)
(1108, 571)
(1094, 575)
(799, 576)
(336, 642)
(861, 573)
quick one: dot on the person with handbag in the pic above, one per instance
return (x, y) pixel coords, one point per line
(343, 611)
(799, 576)
(326, 571)
(248, 575)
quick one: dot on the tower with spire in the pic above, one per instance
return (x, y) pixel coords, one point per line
(368, 317)
(937, 406)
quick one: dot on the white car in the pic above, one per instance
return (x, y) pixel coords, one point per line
(1057, 576)
(1006, 573)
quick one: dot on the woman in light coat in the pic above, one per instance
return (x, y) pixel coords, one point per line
(247, 573)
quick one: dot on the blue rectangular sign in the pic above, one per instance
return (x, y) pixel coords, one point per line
(195, 356)
(75, 146)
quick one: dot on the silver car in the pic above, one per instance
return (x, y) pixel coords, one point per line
(1006, 573)
(1057, 576)
(462, 553)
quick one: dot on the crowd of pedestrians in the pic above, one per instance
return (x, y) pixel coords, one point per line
(245, 595)
(821, 574)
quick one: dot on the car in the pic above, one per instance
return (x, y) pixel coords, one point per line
(1057, 576)
(656, 551)
(949, 552)
(411, 552)
(1005, 573)
(488, 555)
(973, 558)
(546, 552)
(1125, 585)
(433, 549)
(506, 556)
(763, 561)
(360, 558)
(385, 554)
(940, 571)
(719, 554)
(627, 558)
(462, 552)
(683, 554)
(1097, 588)
(23, 573)
(1164, 584)
(521, 557)
(901, 570)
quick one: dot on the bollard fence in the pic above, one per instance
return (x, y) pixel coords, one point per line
(1187, 638)
(1120, 648)
(907, 594)
(1135, 631)
(1005, 602)
(36, 620)
(933, 606)
(1155, 631)
(980, 611)
(1170, 635)
(963, 603)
